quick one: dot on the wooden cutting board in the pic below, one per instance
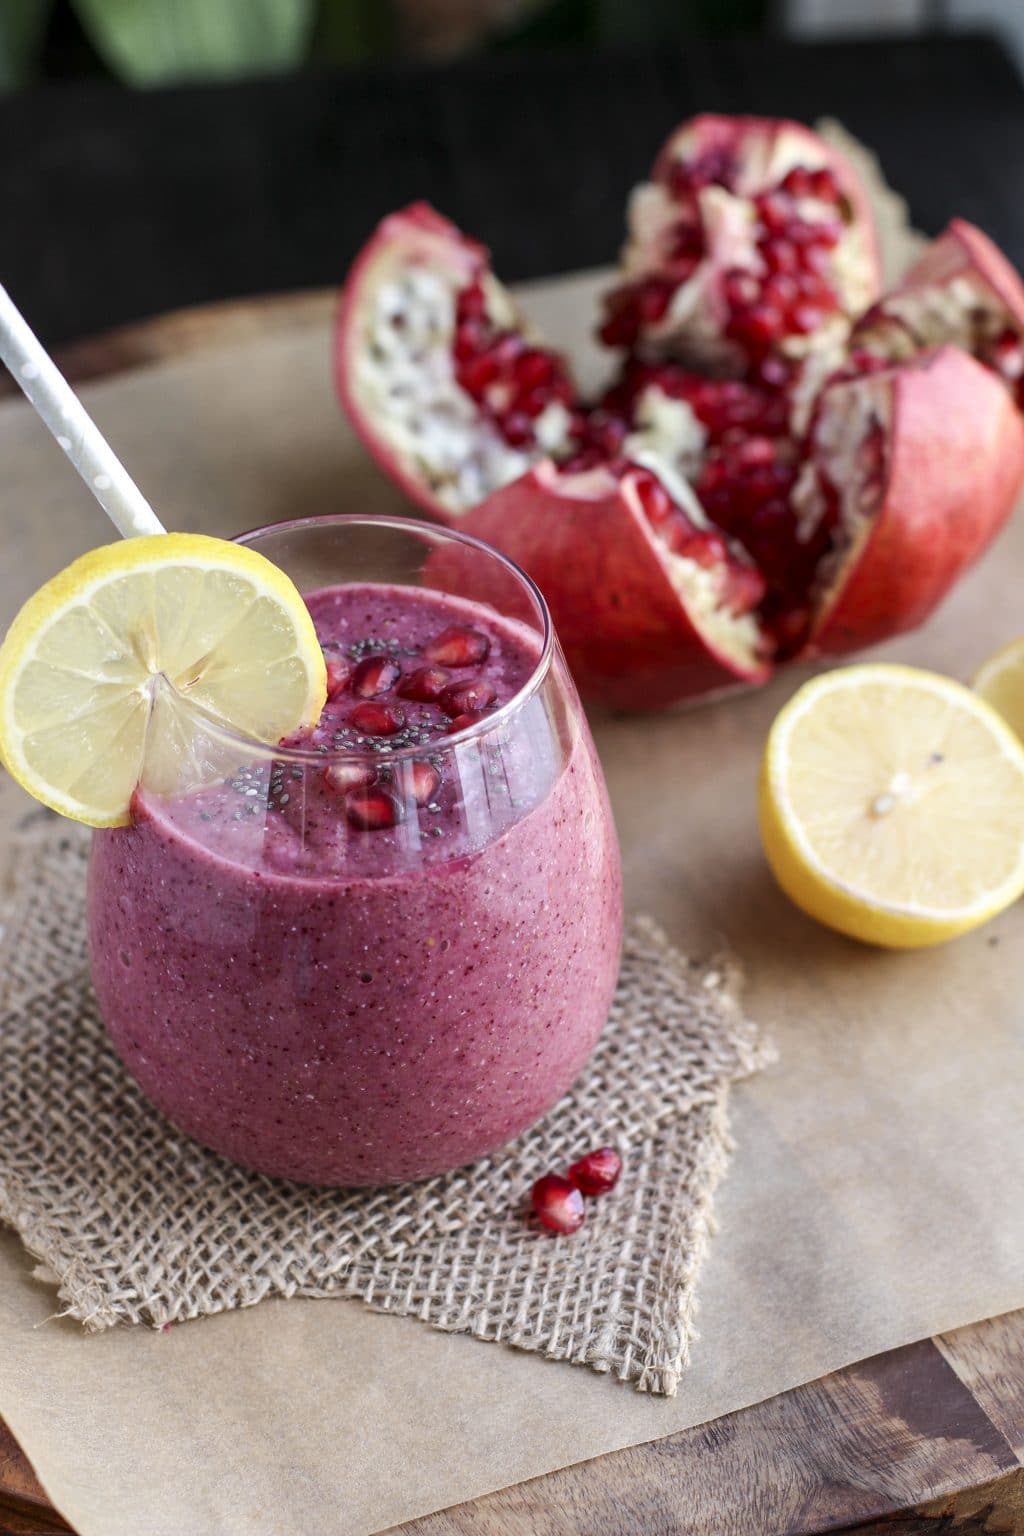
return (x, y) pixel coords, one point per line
(929, 1437)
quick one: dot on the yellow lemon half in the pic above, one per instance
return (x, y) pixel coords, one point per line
(892, 805)
(94, 663)
(1000, 682)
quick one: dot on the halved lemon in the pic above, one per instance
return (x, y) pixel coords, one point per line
(1000, 682)
(892, 805)
(94, 668)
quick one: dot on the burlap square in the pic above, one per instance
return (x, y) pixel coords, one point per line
(136, 1223)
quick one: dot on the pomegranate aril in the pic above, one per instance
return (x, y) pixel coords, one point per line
(463, 722)
(805, 318)
(632, 306)
(760, 325)
(341, 777)
(422, 781)
(745, 590)
(557, 1204)
(741, 287)
(466, 698)
(775, 212)
(375, 675)
(799, 182)
(533, 368)
(826, 187)
(780, 291)
(754, 452)
(372, 809)
(473, 301)
(375, 719)
(518, 429)
(425, 685)
(338, 673)
(781, 257)
(1006, 355)
(458, 647)
(704, 549)
(469, 338)
(597, 1172)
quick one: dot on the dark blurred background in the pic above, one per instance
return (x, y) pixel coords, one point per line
(160, 153)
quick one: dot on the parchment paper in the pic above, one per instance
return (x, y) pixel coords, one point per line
(875, 1195)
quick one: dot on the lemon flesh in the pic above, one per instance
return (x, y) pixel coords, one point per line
(96, 666)
(892, 805)
(1000, 682)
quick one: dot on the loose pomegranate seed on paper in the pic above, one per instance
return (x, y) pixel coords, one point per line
(783, 462)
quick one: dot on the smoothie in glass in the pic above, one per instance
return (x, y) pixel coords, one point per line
(386, 947)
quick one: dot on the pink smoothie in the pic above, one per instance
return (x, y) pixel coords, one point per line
(361, 984)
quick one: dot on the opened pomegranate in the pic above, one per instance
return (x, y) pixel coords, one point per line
(753, 239)
(705, 519)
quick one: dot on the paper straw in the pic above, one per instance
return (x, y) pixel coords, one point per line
(34, 371)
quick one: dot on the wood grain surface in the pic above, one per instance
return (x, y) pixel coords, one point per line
(928, 1438)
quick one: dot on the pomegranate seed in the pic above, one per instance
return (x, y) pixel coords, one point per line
(469, 338)
(762, 324)
(597, 1172)
(780, 290)
(741, 287)
(462, 722)
(338, 673)
(466, 698)
(799, 182)
(805, 318)
(1006, 355)
(374, 719)
(425, 685)
(458, 647)
(535, 367)
(375, 675)
(341, 777)
(826, 187)
(480, 371)
(780, 257)
(704, 549)
(558, 1205)
(746, 589)
(422, 781)
(473, 302)
(754, 452)
(372, 809)
(518, 429)
(775, 213)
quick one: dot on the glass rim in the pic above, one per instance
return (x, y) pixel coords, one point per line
(253, 745)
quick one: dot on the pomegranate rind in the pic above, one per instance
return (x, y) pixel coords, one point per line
(416, 235)
(628, 634)
(963, 250)
(954, 468)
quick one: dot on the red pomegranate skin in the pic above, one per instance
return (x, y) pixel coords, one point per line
(946, 496)
(300, 996)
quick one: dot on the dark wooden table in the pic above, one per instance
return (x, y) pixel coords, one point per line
(122, 204)
(927, 1438)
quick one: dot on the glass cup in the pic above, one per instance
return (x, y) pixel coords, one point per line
(349, 1003)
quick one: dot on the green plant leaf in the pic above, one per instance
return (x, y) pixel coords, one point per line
(22, 25)
(150, 42)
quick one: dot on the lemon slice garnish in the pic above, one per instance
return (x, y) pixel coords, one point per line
(892, 805)
(94, 668)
